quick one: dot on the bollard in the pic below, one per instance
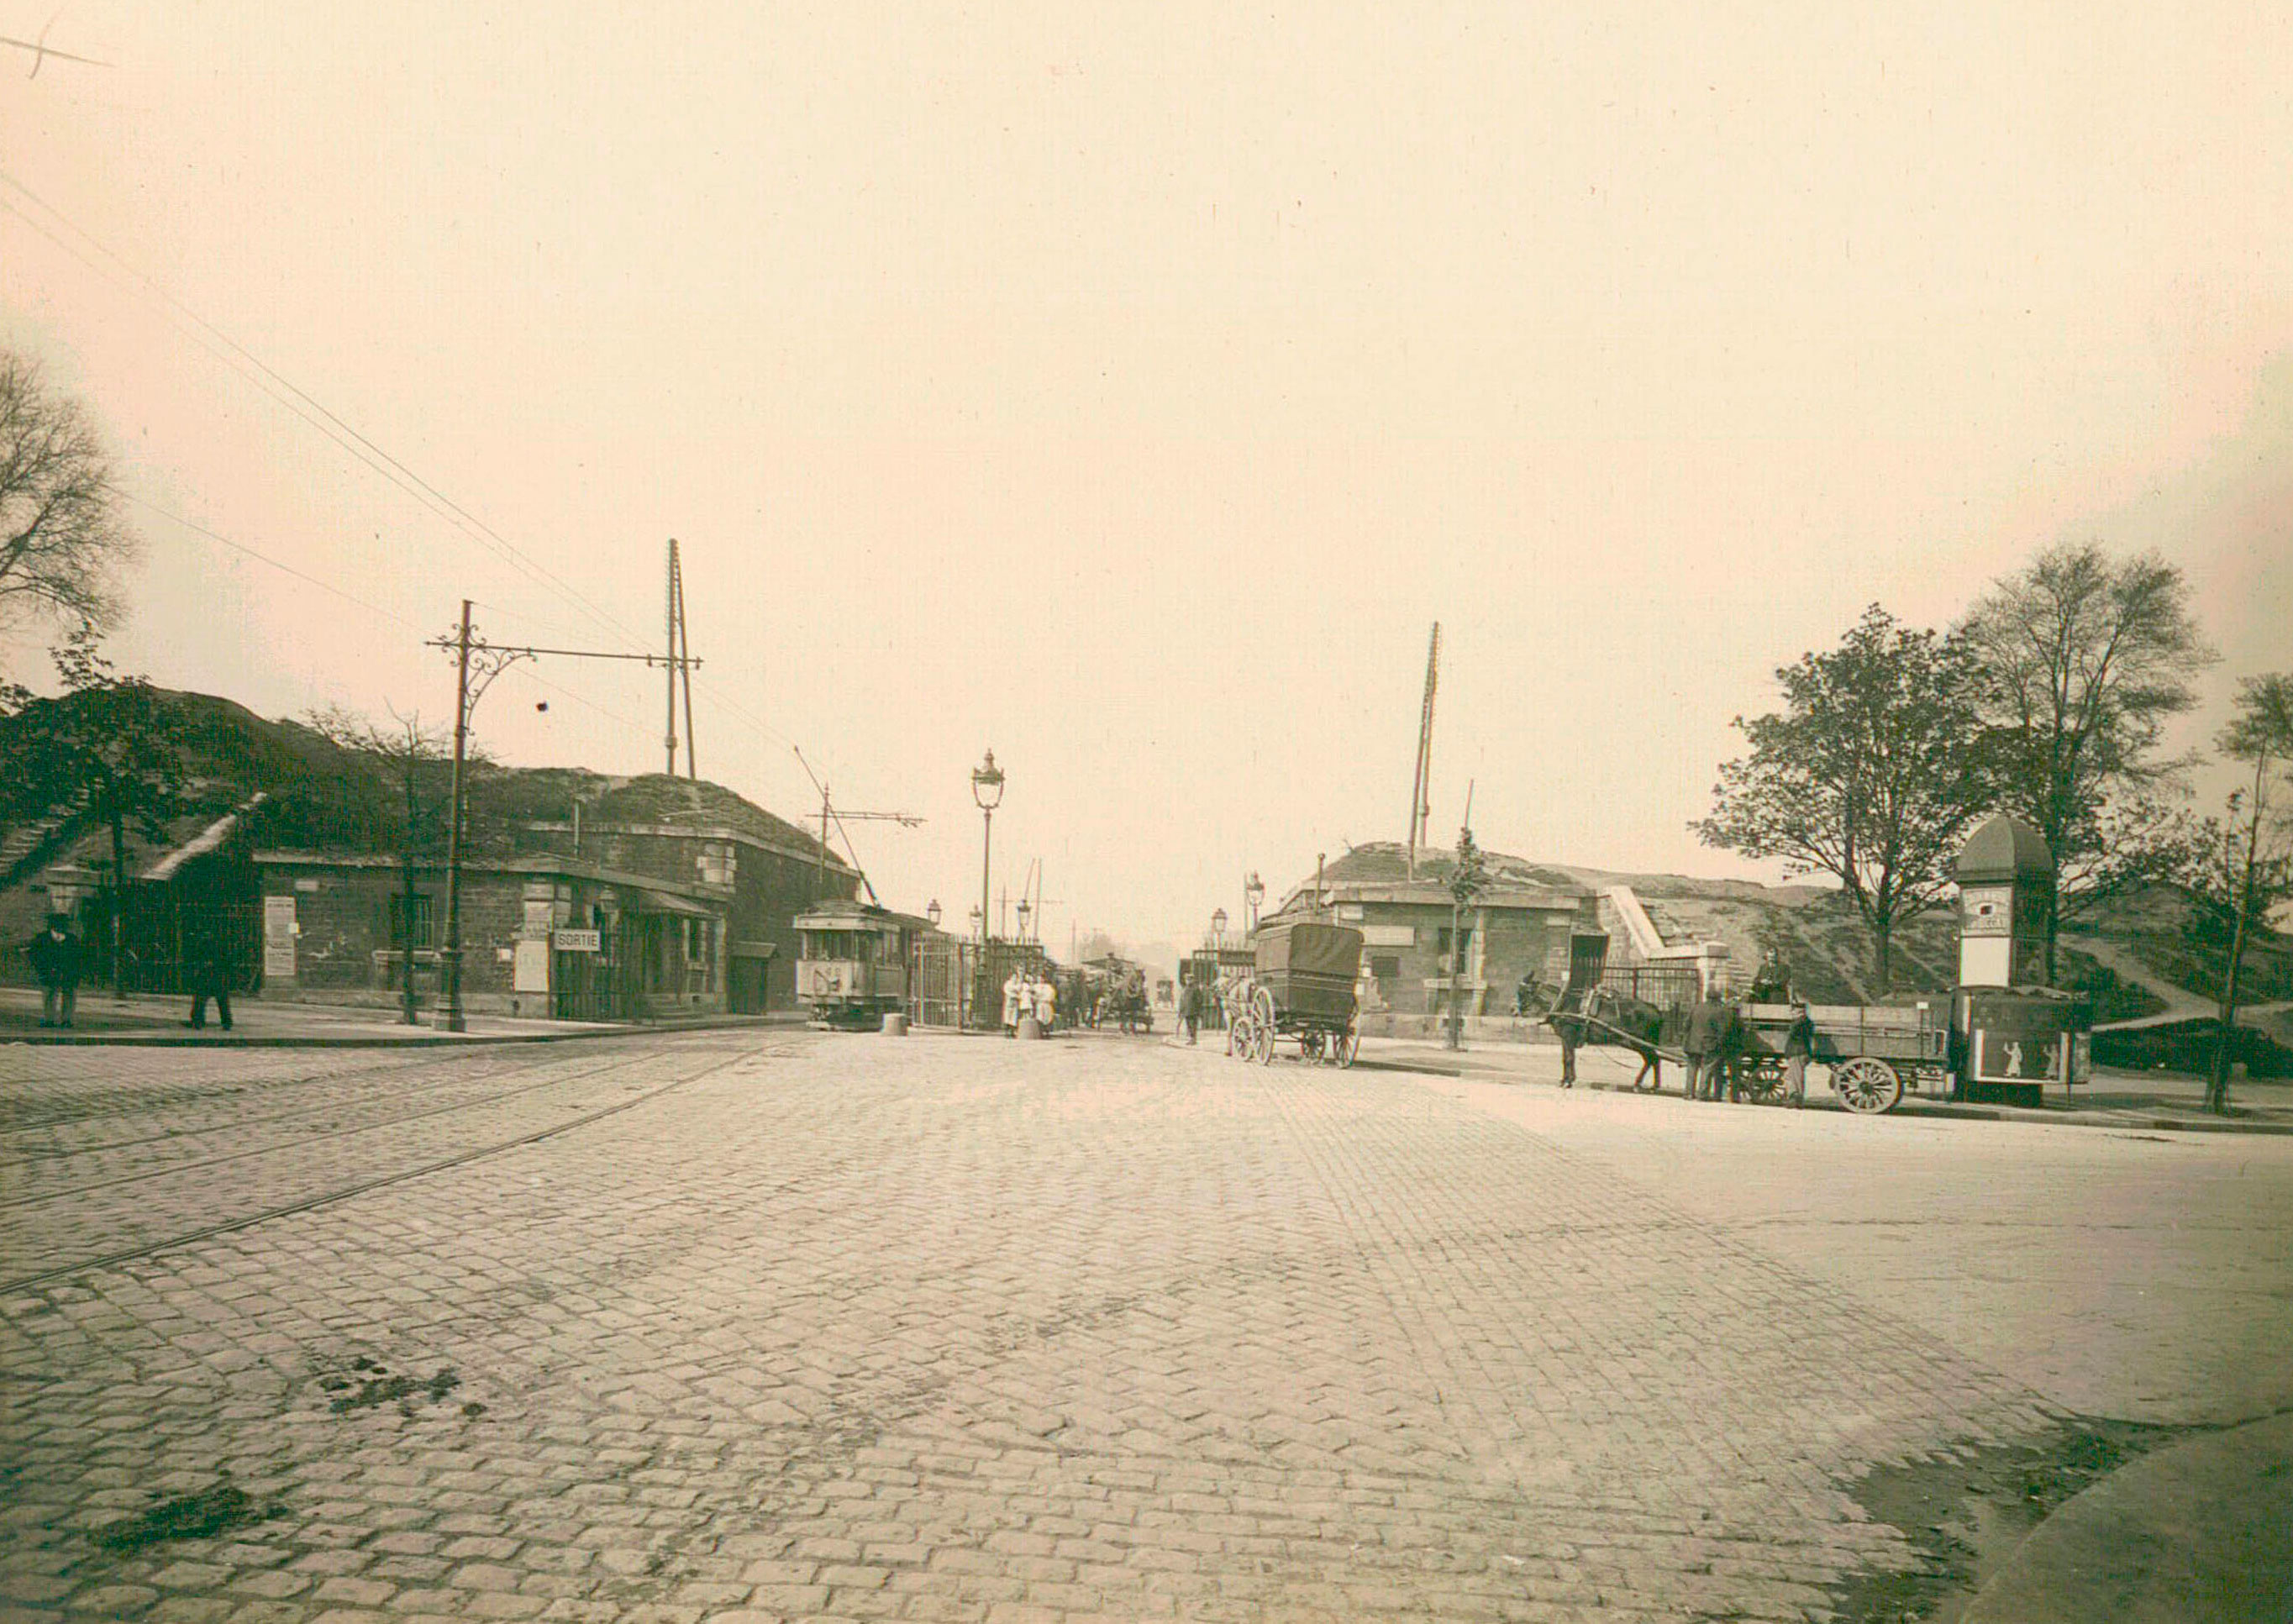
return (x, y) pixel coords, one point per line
(896, 1024)
(1029, 1026)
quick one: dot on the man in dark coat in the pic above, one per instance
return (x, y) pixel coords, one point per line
(1799, 1048)
(1709, 1020)
(210, 972)
(56, 963)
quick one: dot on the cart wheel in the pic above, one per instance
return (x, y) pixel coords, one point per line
(1868, 1084)
(1310, 1046)
(1346, 1046)
(1763, 1082)
(1261, 1008)
(1237, 1037)
(1262, 1048)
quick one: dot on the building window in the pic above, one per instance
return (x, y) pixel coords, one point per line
(1385, 966)
(420, 936)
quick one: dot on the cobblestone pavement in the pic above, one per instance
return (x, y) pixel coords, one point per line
(934, 1329)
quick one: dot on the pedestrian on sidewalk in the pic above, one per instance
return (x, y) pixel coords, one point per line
(57, 961)
(1190, 1012)
(209, 964)
(1799, 1048)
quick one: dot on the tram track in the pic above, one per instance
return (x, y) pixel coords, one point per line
(46, 1158)
(195, 1164)
(21, 1118)
(127, 1255)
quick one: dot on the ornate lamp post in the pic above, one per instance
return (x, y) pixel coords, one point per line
(977, 918)
(987, 791)
(1253, 893)
(1217, 928)
(931, 913)
(1024, 911)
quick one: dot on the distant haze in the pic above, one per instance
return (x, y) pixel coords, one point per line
(1129, 389)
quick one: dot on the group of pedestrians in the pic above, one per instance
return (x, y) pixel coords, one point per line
(59, 961)
(1028, 995)
(1714, 1040)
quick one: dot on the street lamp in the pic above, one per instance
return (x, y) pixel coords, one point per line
(1253, 893)
(977, 919)
(987, 790)
(1024, 911)
(1217, 928)
(931, 913)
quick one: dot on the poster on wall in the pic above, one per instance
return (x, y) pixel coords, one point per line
(278, 939)
(531, 974)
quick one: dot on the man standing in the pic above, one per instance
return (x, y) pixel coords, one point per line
(1706, 1042)
(210, 969)
(1799, 1048)
(56, 959)
(1190, 1011)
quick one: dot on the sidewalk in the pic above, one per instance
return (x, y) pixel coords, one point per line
(2199, 1531)
(2112, 1099)
(143, 1021)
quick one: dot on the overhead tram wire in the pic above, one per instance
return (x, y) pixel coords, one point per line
(375, 609)
(304, 405)
(315, 413)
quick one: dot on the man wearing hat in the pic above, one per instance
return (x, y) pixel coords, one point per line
(55, 956)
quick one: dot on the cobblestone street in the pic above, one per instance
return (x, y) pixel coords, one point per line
(750, 1325)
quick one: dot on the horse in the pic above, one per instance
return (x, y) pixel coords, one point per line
(1603, 1018)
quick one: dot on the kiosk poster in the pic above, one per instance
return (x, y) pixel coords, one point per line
(2020, 1040)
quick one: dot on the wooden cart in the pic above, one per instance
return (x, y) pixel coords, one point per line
(1301, 988)
(1872, 1051)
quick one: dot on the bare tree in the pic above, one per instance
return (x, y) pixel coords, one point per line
(62, 541)
(412, 754)
(2085, 659)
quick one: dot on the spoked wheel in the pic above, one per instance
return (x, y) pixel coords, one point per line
(1763, 1082)
(1310, 1046)
(1261, 1042)
(1867, 1085)
(1344, 1048)
(1239, 1036)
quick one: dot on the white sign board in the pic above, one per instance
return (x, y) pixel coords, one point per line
(278, 939)
(576, 942)
(533, 972)
(1388, 935)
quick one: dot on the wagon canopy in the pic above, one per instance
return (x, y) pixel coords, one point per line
(1306, 947)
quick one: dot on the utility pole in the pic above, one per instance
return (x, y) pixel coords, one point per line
(450, 956)
(1421, 805)
(476, 663)
(680, 637)
(830, 815)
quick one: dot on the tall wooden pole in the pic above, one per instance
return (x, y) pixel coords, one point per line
(670, 618)
(685, 641)
(451, 955)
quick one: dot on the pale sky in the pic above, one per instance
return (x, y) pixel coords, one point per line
(1128, 388)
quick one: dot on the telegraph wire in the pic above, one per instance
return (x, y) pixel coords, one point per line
(304, 405)
(313, 412)
(264, 558)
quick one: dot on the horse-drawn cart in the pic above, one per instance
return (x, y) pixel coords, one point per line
(1301, 988)
(1872, 1051)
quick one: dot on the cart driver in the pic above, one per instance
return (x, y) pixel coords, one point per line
(1799, 1048)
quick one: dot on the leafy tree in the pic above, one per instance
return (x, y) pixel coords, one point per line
(2085, 659)
(2235, 890)
(1868, 774)
(111, 739)
(62, 542)
(1468, 877)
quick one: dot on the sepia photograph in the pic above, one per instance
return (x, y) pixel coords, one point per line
(700, 707)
